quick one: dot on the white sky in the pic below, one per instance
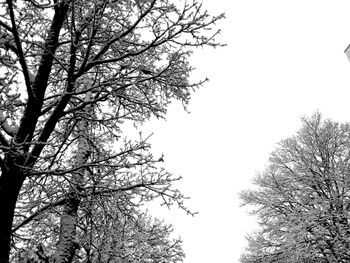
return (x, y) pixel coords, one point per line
(283, 59)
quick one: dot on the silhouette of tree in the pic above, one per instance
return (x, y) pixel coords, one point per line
(302, 198)
(72, 73)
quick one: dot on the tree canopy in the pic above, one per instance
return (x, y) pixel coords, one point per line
(302, 198)
(71, 74)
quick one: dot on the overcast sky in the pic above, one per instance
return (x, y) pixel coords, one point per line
(284, 59)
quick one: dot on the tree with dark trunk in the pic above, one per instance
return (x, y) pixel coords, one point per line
(72, 73)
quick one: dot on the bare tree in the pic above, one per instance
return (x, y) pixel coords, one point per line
(131, 58)
(302, 199)
(107, 231)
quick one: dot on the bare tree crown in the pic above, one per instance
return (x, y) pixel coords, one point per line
(72, 72)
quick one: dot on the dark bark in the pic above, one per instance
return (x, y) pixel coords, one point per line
(32, 111)
(10, 185)
(12, 178)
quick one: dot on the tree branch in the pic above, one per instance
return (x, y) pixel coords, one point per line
(33, 109)
(38, 212)
(106, 47)
(22, 61)
(6, 26)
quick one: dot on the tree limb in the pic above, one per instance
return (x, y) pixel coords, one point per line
(6, 26)
(119, 36)
(22, 61)
(33, 109)
(38, 212)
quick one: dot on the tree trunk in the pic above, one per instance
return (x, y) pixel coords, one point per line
(10, 185)
(12, 178)
(68, 242)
